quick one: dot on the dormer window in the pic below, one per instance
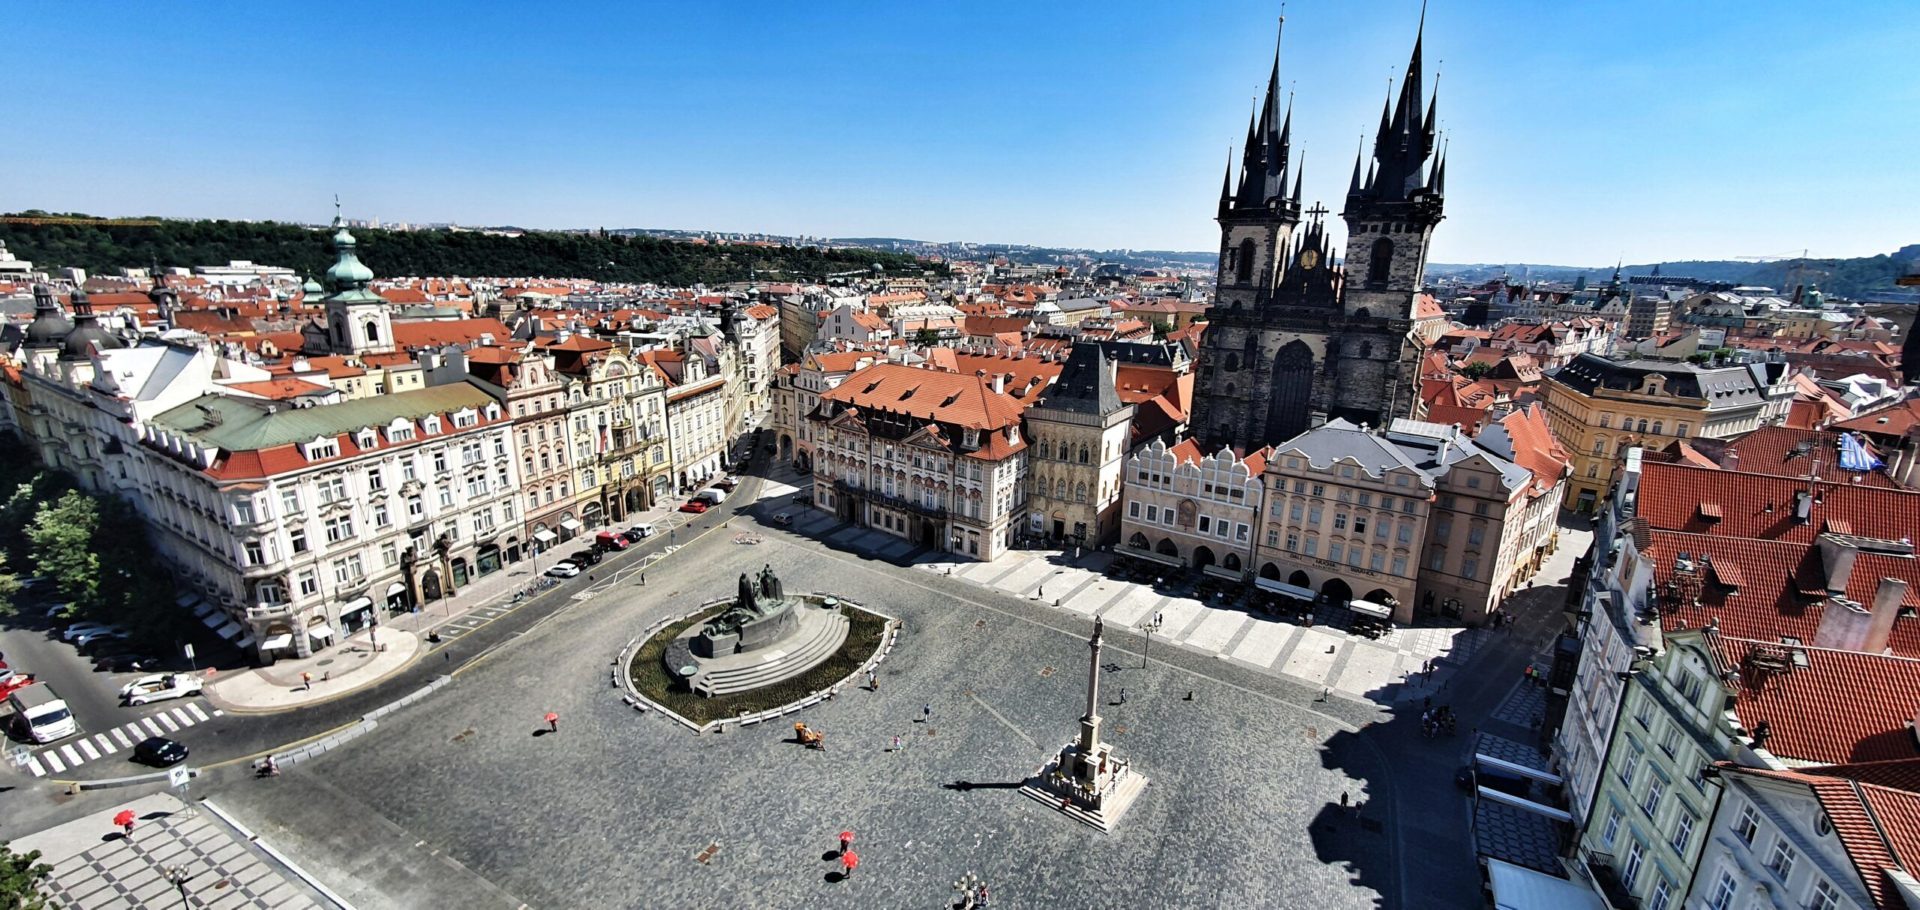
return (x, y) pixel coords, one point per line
(972, 437)
(465, 418)
(368, 439)
(431, 425)
(493, 412)
(321, 448)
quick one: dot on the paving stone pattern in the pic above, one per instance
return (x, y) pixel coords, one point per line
(623, 808)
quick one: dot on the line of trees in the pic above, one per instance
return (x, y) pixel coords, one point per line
(91, 553)
(601, 257)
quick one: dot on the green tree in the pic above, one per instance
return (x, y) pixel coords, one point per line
(926, 338)
(1476, 369)
(1162, 329)
(61, 539)
(20, 878)
(9, 593)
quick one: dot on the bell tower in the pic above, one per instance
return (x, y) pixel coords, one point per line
(1392, 211)
(359, 321)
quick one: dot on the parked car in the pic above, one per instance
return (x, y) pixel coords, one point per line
(78, 629)
(15, 683)
(99, 638)
(6, 673)
(728, 482)
(563, 570)
(159, 752)
(695, 506)
(160, 687)
(712, 496)
(584, 557)
(125, 662)
(638, 533)
(608, 540)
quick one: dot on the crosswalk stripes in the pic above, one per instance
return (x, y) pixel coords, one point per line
(66, 756)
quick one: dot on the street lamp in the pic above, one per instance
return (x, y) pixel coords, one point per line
(178, 876)
(1150, 626)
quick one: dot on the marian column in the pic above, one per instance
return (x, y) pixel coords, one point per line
(1090, 722)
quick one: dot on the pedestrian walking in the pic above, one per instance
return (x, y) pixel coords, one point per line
(926, 713)
(1343, 799)
(873, 682)
(553, 722)
(846, 841)
(643, 579)
(306, 680)
(896, 743)
(1123, 695)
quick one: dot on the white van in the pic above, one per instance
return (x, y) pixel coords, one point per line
(712, 496)
(41, 713)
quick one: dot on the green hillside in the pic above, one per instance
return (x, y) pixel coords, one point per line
(107, 247)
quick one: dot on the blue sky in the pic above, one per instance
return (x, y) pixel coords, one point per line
(1581, 131)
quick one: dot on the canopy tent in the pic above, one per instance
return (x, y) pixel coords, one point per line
(1228, 574)
(545, 536)
(276, 642)
(1519, 888)
(1280, 587)
(1152, 557)
(1369, 608)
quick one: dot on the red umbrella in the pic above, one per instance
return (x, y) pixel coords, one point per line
(124, 819)
(849, 860)
(846, 838)
(551, 717)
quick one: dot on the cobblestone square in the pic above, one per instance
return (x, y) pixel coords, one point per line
(624, 808)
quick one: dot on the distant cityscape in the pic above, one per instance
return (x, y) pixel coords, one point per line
(391, 564)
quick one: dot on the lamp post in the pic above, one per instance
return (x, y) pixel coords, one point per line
(178, 876)
(1150, 626)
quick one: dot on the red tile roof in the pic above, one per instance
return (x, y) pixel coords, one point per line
(1763, 506)
(1767, 589)
(440, 332)
(1892, 420)
(1879, 694)
(963, 399)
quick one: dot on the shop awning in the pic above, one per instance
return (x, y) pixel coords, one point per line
(322, 631)
(571, 524)
(187, 599)
(1226, 573)
(230, 631)
(545, 536)
(1277, 586)
(1152, 557)
(1369, 608)
(276, 642)
(214, 619)
(202, 608)
(246, 641)
(396, 588)
(1519, 888)
(356, 605)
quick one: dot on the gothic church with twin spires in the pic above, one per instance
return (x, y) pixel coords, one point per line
(1293, 340)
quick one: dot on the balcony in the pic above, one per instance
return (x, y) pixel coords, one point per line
(892, 502)
(1607, 879)
(270, 611)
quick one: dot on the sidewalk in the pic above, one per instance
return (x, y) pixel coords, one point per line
(97, 868)
(355, 663)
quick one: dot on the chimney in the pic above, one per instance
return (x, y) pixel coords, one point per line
(1837, 556)
(1000, 383)
(1730, 461)
(1802, 506)
(1886, 608)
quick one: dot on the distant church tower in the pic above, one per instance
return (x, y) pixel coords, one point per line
(1291, 341)
(359, 321)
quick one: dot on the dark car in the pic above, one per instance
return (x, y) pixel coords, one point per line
(126, 663)
(584, 557)
(159, 752)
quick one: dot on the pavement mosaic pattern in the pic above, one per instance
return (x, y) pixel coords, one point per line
(95, 867)
(1244, 794)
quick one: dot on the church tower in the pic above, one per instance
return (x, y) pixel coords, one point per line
(1292, 341)
(359, 321)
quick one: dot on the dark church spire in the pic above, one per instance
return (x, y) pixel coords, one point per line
(1404, 143)
(1266, 157)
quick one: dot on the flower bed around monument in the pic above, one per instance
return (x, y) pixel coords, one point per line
(648, 674)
